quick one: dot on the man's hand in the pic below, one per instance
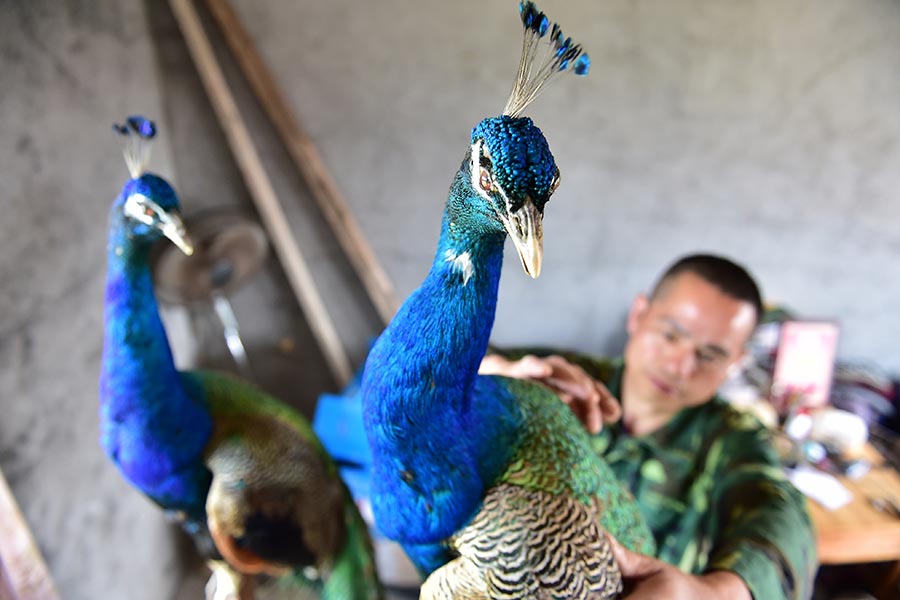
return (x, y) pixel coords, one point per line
(588, 398)
(647, 578)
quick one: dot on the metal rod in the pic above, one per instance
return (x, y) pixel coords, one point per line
(222, 308)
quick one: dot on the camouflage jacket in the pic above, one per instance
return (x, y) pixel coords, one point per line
(713, 491)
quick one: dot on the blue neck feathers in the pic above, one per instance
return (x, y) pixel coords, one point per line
(419, 385)
(152, 426)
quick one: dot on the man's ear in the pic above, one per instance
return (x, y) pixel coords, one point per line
(636, 313)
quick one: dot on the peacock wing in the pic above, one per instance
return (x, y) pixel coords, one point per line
(529, 544)
(555, 456)
(275, 504)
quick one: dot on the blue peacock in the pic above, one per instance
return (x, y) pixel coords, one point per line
(243, 472)
(489, 483)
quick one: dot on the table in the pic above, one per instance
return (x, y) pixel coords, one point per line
(857, 532)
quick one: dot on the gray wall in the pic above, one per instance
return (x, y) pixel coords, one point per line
(66, 69)
(766, 130)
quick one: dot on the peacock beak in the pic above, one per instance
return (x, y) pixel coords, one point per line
(172, 226)
(525, 227)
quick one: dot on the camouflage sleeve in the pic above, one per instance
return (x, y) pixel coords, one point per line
(764, 532)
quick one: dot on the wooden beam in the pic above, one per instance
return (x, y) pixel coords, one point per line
(261, 190)
(23, 573)
(308, 161)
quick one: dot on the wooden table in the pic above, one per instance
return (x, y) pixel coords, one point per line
(857, 532)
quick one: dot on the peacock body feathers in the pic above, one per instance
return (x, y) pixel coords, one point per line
(243, 472)
(489, 483)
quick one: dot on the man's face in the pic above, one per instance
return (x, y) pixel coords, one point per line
(682, 343)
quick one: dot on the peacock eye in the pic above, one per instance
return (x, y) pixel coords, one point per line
(485, 181)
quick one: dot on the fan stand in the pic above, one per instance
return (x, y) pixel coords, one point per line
(228, 250)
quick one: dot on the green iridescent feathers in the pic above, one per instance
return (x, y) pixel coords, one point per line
(555, 456)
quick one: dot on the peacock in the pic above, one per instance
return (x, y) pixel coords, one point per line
(489, 483)
(243, 472)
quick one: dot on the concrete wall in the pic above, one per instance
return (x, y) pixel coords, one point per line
(765, 130)
(68, 71)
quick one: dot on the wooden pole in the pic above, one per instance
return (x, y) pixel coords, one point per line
(261, 189)
(23, 573)
(308, 161)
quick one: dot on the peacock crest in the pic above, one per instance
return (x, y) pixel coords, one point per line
(516, 150)
(557, 56)
(138, 133)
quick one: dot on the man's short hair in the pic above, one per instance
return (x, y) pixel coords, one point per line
(729, 277)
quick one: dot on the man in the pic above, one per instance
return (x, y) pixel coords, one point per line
(726, 521)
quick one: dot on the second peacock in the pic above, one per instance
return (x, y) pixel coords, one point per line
(242, 472)
(490, 484)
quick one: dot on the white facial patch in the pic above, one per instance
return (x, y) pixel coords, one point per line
(475, 168)
(478, 149)
(143, 209)
(461, 263)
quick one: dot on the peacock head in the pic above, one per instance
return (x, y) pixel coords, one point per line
(512, 169)
(513, 174)
(148, 203)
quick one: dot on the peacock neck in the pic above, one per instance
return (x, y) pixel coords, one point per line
(418, 389)
(444, 327)
(135, 342)
(154, 424)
